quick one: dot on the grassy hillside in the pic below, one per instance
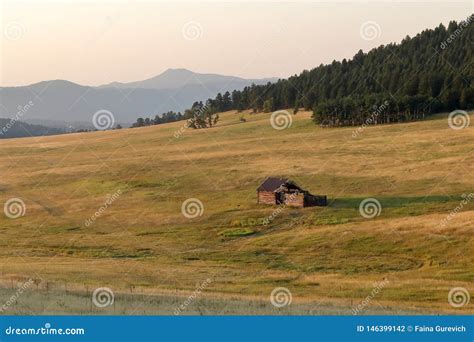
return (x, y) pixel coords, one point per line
(324, 255)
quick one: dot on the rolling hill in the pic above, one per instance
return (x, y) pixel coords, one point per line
(111, 203)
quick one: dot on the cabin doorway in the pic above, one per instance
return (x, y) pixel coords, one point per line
(280, 198)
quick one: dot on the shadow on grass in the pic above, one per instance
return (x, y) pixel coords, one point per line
(394, 202)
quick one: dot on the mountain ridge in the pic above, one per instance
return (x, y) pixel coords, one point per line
(63, 100)
(178, 77)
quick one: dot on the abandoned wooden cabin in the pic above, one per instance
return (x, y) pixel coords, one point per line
(282, 191)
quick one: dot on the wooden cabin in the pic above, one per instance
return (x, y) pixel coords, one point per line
(282, 191)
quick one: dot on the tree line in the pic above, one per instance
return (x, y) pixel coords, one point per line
(422, 75)
(200, 115)
(169, 116)
(12, 128)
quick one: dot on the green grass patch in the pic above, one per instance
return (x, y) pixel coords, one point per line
(331, 221)
(238, 232)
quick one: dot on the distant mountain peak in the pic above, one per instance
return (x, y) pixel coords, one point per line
(169, 70)
(174, 78)
(174, 89)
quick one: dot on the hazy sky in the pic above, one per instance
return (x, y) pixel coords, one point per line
(96, 42)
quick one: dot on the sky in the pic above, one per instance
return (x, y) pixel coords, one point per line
(98, 42)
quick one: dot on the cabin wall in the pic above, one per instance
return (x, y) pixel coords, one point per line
(266, 197)
(294, 199)
(301, 199)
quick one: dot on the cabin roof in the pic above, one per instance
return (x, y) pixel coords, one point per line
(272, 184)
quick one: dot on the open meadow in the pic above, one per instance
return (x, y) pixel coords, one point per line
(104, 209)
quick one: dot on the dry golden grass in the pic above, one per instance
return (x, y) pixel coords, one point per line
(418, 171)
